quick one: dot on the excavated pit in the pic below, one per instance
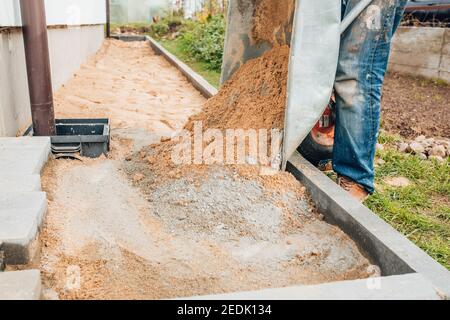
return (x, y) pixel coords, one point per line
(134, 226)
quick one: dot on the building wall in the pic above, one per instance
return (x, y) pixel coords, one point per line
(79, 34)
(422, 51)
(58, 12)
(69, 48)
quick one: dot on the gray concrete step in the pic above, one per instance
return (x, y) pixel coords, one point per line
(20, 285)
(23, 155)
(21, 215)
(19, 183)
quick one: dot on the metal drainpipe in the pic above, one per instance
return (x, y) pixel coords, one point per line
(34, 28)
(108, 20)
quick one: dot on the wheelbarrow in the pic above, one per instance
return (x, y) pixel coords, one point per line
(312, 30)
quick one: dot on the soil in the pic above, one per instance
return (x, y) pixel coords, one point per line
(413, 106)
(271, 21)
(124, 233)
(254, 98)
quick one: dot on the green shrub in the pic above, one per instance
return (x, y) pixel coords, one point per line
(205, 41)
(160, 29)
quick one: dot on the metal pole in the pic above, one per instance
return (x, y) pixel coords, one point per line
(108, 20)
(34, 28)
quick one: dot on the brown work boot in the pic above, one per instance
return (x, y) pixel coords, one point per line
(357, 191)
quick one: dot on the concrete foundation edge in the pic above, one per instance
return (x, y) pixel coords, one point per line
(404, 287)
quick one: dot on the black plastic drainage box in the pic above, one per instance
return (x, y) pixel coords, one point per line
(89, 137)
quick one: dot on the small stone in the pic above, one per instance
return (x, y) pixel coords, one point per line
(402, 147)
(380, 146)
(444, 143)
(138, 177)
(128, 158)
(422, 156)
(438, 151)
(321, 217)
(429, 141)
(399, 182)
(438, 158)
(289, 242)
(143, 154)
(420, 138)
(379, 162)
(416, 147)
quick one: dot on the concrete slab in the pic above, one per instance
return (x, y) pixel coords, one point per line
(24, 142)
(19, 183)
(21, 215)
(404, 287)
(23, 155)
(20, 285)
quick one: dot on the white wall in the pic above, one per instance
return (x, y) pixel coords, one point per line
(58, 12)
(422, 51)
(69, 48)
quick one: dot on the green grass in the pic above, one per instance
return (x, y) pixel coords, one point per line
(202, 68)
(421, 211)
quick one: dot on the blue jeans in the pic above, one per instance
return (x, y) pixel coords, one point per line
(363, 60)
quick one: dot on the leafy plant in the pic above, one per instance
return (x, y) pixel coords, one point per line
(205, 41)
(160, 29)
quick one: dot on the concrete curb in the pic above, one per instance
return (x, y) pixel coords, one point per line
(404, 287)
(197, 81)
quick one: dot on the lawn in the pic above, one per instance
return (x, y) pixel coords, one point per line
(421, 209)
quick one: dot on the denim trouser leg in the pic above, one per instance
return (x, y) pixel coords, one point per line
(363, 60)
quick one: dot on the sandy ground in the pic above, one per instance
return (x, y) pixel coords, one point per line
(106, 238)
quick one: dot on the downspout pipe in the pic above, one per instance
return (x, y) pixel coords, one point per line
(108, 19)
(34, 28)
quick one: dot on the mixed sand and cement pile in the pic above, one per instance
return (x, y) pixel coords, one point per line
(137, 226)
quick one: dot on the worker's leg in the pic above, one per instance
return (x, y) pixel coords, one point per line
(363, 60)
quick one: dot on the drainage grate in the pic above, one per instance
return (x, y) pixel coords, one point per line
(89, 137)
